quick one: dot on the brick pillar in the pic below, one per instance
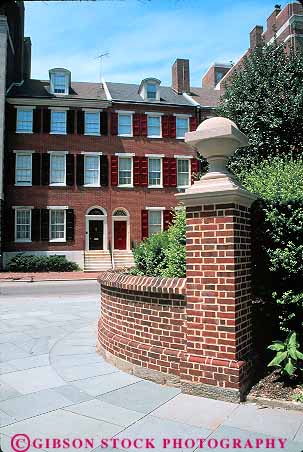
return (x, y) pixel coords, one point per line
(216, 362)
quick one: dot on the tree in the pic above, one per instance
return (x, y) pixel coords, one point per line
(265, 99)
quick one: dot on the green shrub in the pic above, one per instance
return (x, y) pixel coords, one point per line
(31, 263)
(288, 356)
(163, 254)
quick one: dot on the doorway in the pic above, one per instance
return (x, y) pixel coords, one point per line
(121, 230)
(95, 235)
(96, 229)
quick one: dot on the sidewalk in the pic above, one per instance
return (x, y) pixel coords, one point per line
(48, 276)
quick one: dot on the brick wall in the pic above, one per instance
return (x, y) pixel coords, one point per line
(141, 328)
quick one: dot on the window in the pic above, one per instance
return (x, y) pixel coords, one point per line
(154, 221)
(92, 123)
(154, 172)
(57, 225)
(23, 225)
(24, 120)
(183, 167)
(92, 170)
(125, 124)
(58, 122)
(23, 169)
(59, 83)
(151, 91)
(125, 171)
(182, 127)
(57, 169)
(154, 126)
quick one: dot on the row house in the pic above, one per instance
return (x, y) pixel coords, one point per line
(91, 169)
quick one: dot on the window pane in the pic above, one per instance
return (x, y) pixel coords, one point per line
(57, 224)
(125, 123)
(58, 121)
(151, 91)
(23, 169)
(154, 171)
(91, 169)
(92, 123)
(23, 224)
(182, 127)
(154, 126)
(125, 171)
(154, 221)
(183, 172)
(24, 120)
(59, 81)
(57, 175)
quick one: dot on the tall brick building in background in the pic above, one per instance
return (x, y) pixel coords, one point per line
(92, 168)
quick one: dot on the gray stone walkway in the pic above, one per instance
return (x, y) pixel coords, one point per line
(54, 385)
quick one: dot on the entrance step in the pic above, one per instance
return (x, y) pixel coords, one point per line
(123, 258)
(97, 261)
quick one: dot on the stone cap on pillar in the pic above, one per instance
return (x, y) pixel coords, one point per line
(217, 139)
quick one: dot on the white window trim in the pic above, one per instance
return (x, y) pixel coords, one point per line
(57, 153)
(58, 109)
(132, 170)
(90, 154)
(182, 117)
(52, 87)
(157, 116)
(64, 208)
(30, 224)
(131, 123)
(29, 109)
(90, 110)
(160, 209)
(161, 172)
(189, 171)
(125, 154)
(27, 153)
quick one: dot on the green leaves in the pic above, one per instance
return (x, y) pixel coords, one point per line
(287, 356)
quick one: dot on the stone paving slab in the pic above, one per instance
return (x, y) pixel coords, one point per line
(48, 276)
(29, 363)
(102, 384)
(33, 380)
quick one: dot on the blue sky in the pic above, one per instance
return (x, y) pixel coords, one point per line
(143, 37)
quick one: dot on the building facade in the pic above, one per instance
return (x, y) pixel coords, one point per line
(91, 169)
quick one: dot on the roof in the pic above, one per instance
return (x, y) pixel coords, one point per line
(127, 92)
(206, 97)
(40, 88)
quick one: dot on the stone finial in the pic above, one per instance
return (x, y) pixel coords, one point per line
(217, 139)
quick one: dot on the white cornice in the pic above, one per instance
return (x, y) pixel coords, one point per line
(54, 102)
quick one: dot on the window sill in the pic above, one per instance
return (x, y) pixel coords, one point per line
(91, 186)
(183, 187)
(57, 185)
(23, 241)
(155, 186)
(24, 131)
(92, 134)
(23, 185)
(57, 241)
(125, 186)
(154, 136)
(180, 138)
(57, 133)
(125, 136)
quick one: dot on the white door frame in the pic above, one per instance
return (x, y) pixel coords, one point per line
(121, 218)
(98, 218)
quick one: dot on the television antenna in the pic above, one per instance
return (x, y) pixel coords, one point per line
(100, 58)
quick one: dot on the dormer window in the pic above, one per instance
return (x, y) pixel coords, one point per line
(149, 89)
(59, 81)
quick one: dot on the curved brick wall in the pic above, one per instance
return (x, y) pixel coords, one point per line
(142, 324)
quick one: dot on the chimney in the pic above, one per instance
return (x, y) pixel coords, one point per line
(180, 76)
(256, 37)
(27, 58)
(271, 21)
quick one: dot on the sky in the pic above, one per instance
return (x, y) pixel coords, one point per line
(143, 37)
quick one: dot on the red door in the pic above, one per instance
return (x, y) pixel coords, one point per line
(120, 228)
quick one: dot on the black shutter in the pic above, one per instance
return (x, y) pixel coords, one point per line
(80, 169)
(11, 118)
(70, 121)
(70, 171)
(46, 120)
(36, 172)
(103, 171)
(80, 122)
(103, 123)
(36, 220)
(45, 224)
(10, 168)
(45, 169)
(70, 225)
(37, 120)
(9, 224)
